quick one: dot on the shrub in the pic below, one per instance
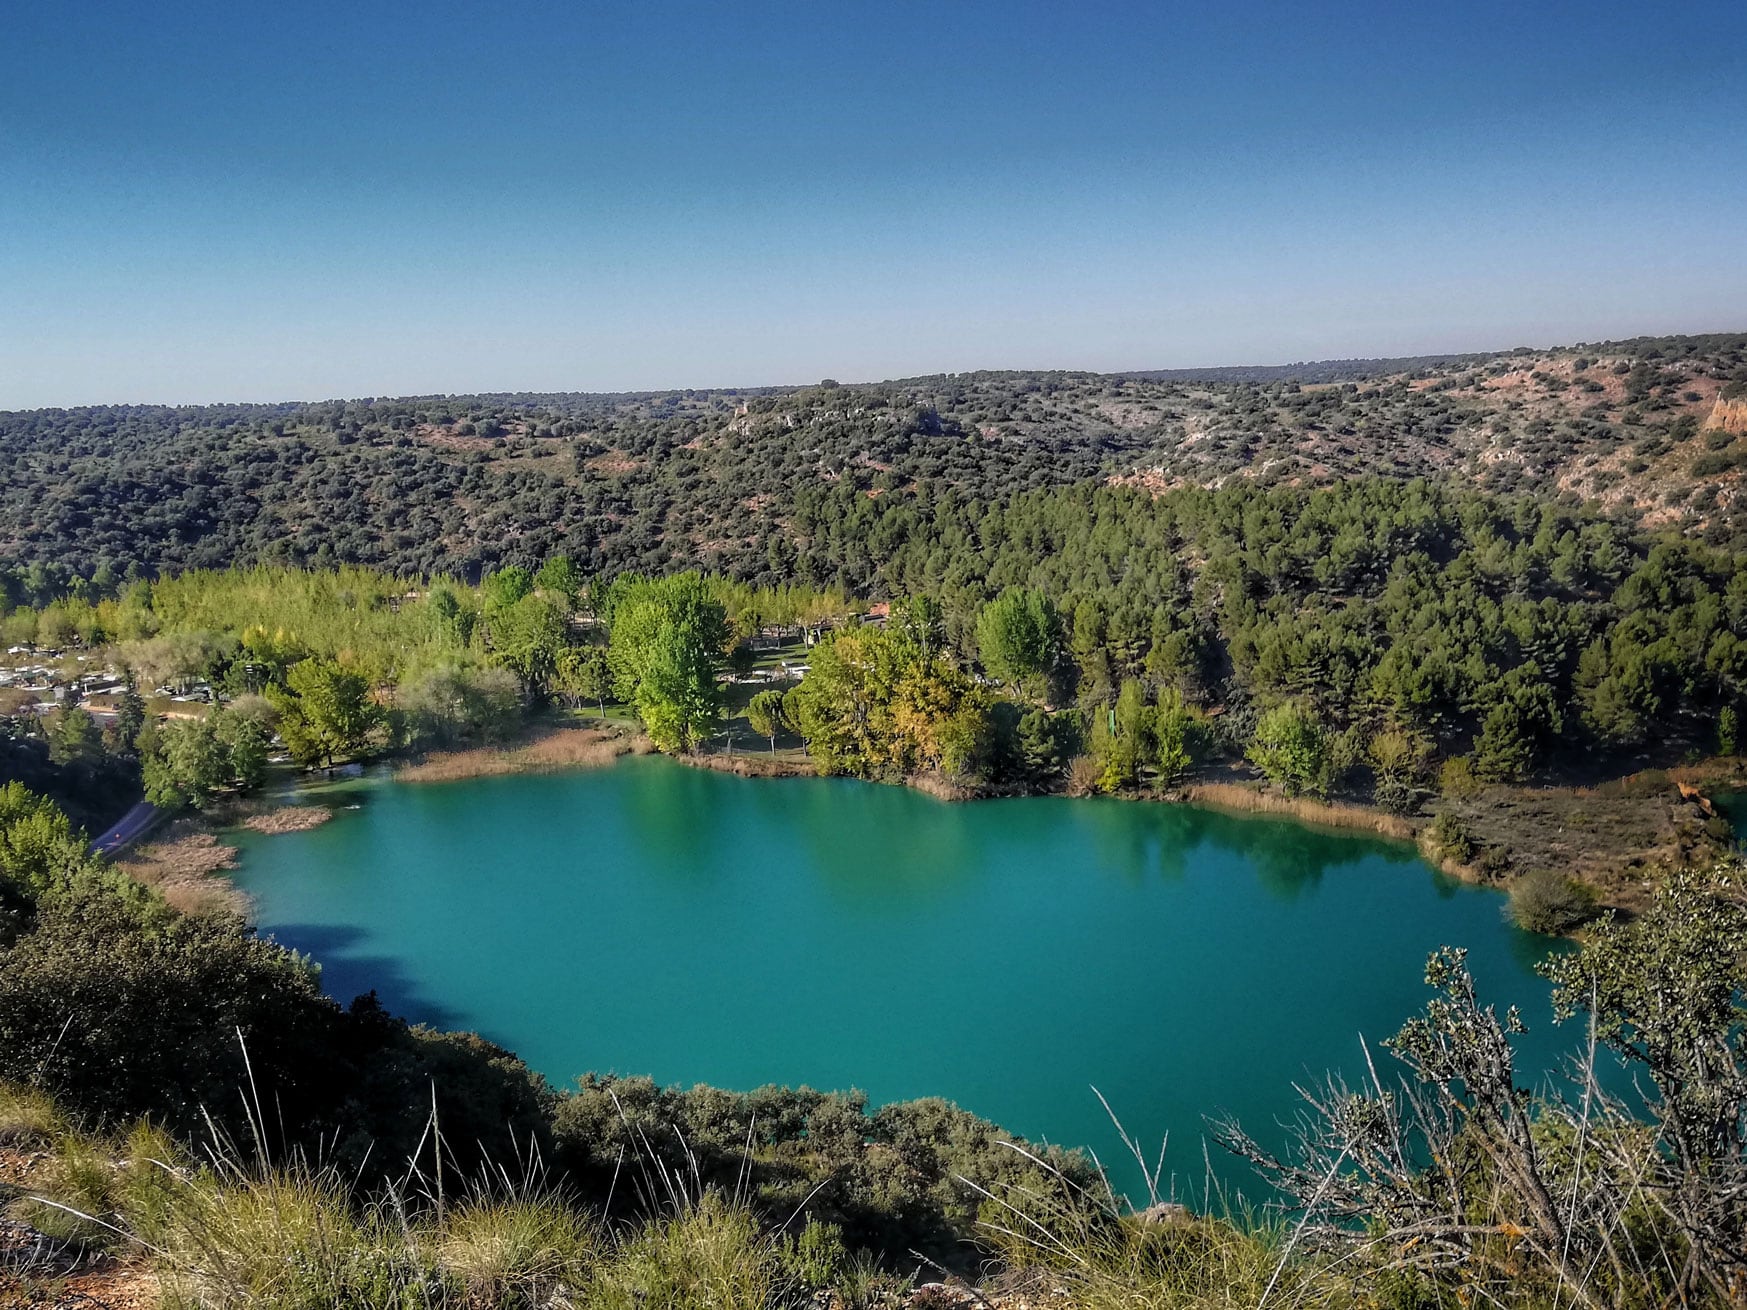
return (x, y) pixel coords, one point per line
(818, 1257)
(1716, 462)
(1494, 862)
(1084, 775)
(1456, 779)
(1290, 748)
(1546, 902)
(1396, 795)
(122, 1017)
(1451, 839)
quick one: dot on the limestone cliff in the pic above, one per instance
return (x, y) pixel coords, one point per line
(1728, 415)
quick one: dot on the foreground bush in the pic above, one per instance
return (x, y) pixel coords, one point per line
(1460, 1180)
(911, 1176)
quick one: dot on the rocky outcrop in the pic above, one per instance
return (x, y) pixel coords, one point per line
(1728, 416)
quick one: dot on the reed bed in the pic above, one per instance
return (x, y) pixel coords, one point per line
(1305, 809)
(288, 818)
(550, 751)
(183, 865)
(747, 765)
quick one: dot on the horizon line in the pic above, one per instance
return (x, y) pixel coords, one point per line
(1185, 372)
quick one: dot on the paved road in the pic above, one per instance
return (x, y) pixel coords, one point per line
(128, 827)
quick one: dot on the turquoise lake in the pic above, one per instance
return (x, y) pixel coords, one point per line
(1009, 955)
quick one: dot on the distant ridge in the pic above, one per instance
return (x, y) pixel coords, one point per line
(741, 481)
(1320, 370)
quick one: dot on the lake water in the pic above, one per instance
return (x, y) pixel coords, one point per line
(1008, 955)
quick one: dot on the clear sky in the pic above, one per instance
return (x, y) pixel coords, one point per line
(245, 201)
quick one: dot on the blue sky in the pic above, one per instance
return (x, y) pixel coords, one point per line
(255, 202)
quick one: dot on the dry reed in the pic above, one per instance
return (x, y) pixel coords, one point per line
(183, 867)
(288, 818)
(1305, 809)
(550, 751)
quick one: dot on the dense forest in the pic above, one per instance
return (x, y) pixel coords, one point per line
(1506, 634)
(466, 484)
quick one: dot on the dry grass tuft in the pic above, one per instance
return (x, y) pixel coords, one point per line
(1089, 1248)
(524, 1250)
(712, 1254)
(27, 1117)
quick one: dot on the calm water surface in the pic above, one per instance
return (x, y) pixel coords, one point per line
(1009, 955)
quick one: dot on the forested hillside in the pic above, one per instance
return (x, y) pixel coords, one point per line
(1651, 429)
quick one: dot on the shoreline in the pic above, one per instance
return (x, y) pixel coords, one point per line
(185, 859)
(1348, 816)
(751, 766)
(184, 863)
(1619, 838)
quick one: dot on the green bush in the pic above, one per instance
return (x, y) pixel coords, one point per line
(1456, 778)
(1546, 902)
(1290, 749)
(1494, 862)
(904, 1177)
(1396, 795)
(123, 1016)
(1452, 839)
(1712, 464)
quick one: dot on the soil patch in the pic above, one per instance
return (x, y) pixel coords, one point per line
(1621, 838)
(111, 1285)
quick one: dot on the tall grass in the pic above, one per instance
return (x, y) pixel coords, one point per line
(527, 1248)
(1089, 1248)
(711, 1254)
(27, 1117)
(234, 1230)
(1305, 809)
(287, 1239)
